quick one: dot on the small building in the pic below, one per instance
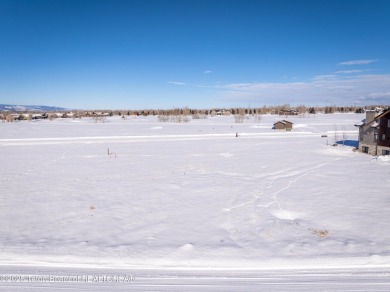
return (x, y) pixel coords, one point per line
(14, 117)
(58, 115)
(68, 115)
(374, 133)
(288, 112)
(38, 116)
(283, 125)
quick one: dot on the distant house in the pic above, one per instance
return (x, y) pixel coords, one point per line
(38, 116)
(14, 117)
(68, 115)
(283, 125)
(288, 112)
(374, 133)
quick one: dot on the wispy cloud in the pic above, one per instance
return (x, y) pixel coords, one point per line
(207, 72)
(323, 77)
(255, 87)
(358, 62)
(319, 90)
(380, 94)
(377, 97)
(352, 71)
(177, 83)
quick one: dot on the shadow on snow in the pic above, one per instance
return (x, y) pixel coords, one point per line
(352, 143)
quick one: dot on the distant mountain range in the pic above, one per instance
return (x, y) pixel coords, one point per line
(12, 108)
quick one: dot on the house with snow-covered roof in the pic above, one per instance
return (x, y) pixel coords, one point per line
(374, 133)
(283, 125)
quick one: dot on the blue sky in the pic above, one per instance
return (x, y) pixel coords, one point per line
(201, 54)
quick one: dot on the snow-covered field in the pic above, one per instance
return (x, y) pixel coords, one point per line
(192, 195)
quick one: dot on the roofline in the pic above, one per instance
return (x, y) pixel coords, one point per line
(382, 114)
(367, 124)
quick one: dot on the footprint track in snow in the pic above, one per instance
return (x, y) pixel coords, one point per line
(273, 199)
(33, 169)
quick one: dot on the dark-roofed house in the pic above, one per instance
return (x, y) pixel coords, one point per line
(374, 133)
(283, 125)
(383, 121)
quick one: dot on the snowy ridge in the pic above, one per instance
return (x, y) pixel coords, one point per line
(12, 108)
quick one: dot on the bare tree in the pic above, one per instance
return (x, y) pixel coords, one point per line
(344, 135)
(99, 119)
(336, 135)
(239, 118)
(199, 116)
(257, 118)
(162, 118)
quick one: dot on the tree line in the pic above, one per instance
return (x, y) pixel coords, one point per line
(178, 113)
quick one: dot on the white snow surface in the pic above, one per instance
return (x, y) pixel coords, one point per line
(143, 194)
(28, 278)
